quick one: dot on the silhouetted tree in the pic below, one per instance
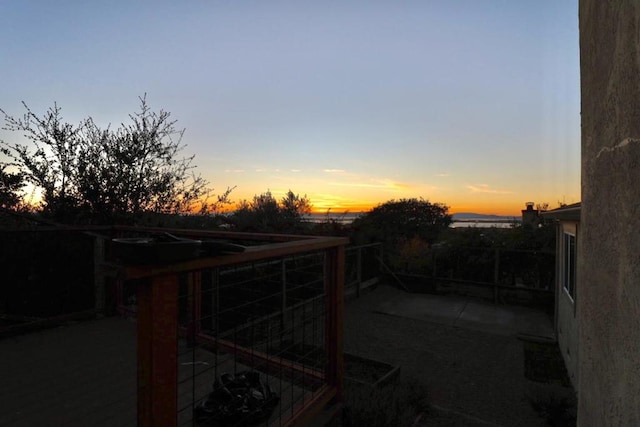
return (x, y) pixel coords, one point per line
(11, 185)
(294, 208)
(402, 219)
(265, 214)
(106, 174)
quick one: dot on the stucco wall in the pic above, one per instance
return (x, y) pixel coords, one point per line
(609, 247)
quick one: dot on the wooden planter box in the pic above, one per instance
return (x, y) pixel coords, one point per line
(368, 372)
(542, 361)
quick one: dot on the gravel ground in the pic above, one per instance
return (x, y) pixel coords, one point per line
(471, 377)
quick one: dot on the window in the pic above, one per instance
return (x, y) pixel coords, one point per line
(569, 265)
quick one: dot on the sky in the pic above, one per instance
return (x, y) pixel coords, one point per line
(474, 104)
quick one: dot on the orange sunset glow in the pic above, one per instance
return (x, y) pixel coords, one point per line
(353, 104)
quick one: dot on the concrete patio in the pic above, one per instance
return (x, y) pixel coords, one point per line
(462, 312)
(84, 374)
(465, 352)
(76, 375)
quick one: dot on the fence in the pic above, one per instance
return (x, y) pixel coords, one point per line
(502, 275)
(275, 309)
(257, 317)
(53, 274)
(47, 276)
(363, 268)
(235, 324)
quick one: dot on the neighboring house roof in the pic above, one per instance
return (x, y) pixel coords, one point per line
(567, 213)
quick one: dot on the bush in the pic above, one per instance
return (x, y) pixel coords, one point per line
(557, 405)
(266, 214)
(396, 405)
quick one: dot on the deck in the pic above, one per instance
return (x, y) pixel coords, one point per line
(85, 374)
(77, 375)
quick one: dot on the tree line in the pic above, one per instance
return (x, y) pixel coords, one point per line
(91, 174)
(138, 173)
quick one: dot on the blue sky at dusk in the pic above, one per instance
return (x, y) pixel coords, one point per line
(475, 104)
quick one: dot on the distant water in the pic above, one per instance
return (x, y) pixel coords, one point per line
(480, 222)
(341, 218)
(483, 224)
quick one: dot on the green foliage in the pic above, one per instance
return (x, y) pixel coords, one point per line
(266, 214)
(520, 237)
(525, 255)
(402, 226)
(557, 405)
(412, 255)
(403, 219)
(541, 237)
(103, 174)
(395, 405)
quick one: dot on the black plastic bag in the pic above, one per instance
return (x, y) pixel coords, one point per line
(240, 400)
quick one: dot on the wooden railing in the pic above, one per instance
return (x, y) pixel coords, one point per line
(158, 311)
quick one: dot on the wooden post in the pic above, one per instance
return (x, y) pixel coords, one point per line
(434, 269)
(197, 289)
(283, 279)
(334, 288)
(157, 351)
(359, 271)
(496, 275)
(215, 300)
(194, 305)
(119, 290)
(98, 275)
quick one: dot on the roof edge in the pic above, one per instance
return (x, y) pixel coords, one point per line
(569, 212)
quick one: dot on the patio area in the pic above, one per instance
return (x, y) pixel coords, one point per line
(467, 355)
(85, 374)
(273, 307)
(75, 375)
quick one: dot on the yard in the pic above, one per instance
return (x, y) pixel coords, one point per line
(468, 373)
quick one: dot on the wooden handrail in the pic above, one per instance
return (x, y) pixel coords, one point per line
(254, 253)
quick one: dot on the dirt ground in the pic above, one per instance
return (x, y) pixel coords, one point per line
(470, 377)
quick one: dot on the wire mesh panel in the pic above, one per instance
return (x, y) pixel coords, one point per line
(362, 267)
(233, 339)
(253, 347)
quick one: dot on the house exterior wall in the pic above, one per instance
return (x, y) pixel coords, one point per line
(566, 314)
(609, 247)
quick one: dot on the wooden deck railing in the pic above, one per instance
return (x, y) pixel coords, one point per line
(158, 312)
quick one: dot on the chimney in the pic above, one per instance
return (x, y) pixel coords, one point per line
(530, 215)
